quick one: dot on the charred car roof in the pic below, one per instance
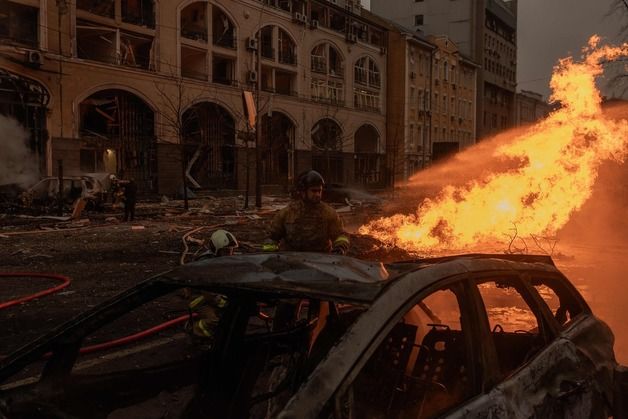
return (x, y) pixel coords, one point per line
(299, 273)
(331, 276)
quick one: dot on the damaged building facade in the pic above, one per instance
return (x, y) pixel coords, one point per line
(437, 85)
(152, 90)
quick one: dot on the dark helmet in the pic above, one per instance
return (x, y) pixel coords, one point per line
(309, 179)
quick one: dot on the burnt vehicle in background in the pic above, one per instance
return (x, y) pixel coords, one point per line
(306, 335)
(45, 193)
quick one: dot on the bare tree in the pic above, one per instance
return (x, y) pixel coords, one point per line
(176, 100)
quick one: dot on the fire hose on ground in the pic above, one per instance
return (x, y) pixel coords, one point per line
(65, 281)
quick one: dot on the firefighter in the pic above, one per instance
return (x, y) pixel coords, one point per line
(208, 305)
(308, 224)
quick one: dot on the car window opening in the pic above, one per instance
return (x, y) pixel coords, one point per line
(560, 300)
(420, 370)
(514, 325)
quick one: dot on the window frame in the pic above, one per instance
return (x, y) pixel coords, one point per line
(547, 327)
(568, 288)
(468, 321)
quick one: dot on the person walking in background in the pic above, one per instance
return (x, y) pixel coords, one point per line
(130, 199)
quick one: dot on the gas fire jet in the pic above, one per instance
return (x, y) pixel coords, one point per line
(556, 165)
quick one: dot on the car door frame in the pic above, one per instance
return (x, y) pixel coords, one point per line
(495, 400)
(347, 358)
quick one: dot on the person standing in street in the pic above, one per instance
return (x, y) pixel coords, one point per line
(130, 199)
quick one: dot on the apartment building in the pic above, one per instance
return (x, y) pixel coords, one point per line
(153, 89)
(485, 31)
(530, 107)
(408, 96)
(431, 99)
(453, 106)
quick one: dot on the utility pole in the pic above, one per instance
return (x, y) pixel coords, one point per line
(258, 125)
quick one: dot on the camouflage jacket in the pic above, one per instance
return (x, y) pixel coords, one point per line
(307, 227)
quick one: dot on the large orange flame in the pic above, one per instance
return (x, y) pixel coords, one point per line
(558, 164)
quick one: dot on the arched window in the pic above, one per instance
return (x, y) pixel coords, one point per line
(279, 60)
(277, 148)
(209, 144)
(367, 73)
(208, 43)
(327, 157)
(327, 136)
(367, 160)
(120, 126)
(367, 80)
(327, 67)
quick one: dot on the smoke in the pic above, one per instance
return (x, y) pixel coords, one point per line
(17, 163)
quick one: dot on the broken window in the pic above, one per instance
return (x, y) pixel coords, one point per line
(223, 30)
(515, 327)
(327, 91)
(376, 37)
(327, 60)
(194, 22)
(366, 99)
(209, 141)
(338, 21)
(285, 5)
(276, 148)
(19, 24)
(422, 368)
(561, 300)
(366, 72)
(318, 13)
(360, 74)
(327, 135)
(138, 12)
(104, 8)
(267, 79)
(367, 161)
(194, 63)
(136, 50)
(113, 46)
(336, 63)
(119, 124)
(268, 50)
(222, 70)
(97, 43)
(284, 82)
(287, 48)
(319, 59)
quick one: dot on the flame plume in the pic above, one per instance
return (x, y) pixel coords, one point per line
(557, 165)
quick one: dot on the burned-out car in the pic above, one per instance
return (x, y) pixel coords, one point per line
(303, 335)
(46, 192)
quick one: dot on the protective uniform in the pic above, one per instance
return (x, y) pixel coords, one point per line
(308, 226)
(208, 305)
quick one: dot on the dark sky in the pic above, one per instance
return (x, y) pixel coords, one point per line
(551, 29)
